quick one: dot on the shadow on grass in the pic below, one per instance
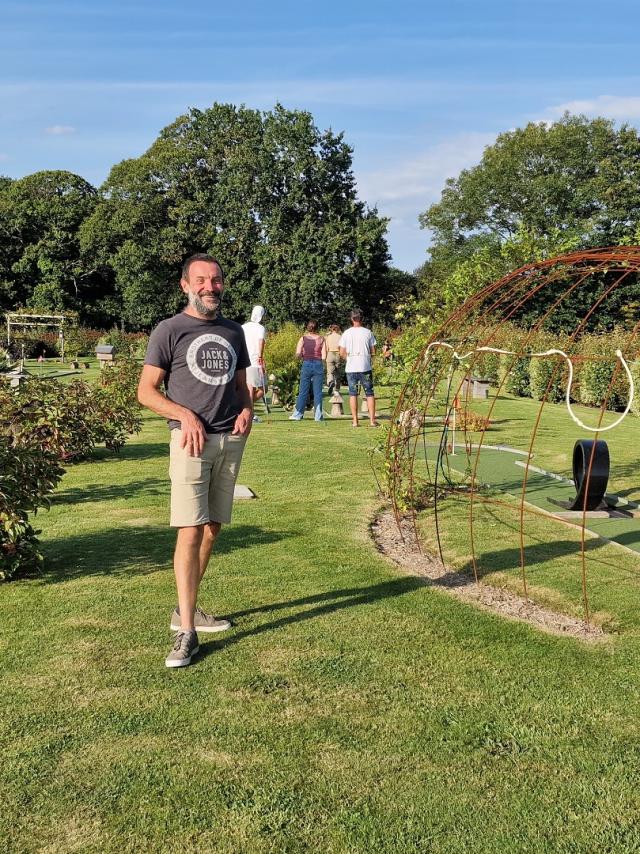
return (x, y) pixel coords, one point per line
(134, 451)
(536, 554)
(631, 539)
(326, 603)
(111, 492)
(136, 550)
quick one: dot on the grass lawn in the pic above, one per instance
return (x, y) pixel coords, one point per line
(349, 709)
(55, 369)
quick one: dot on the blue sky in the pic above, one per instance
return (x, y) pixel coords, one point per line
(419, 88)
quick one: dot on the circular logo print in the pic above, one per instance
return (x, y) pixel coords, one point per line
(211, 359)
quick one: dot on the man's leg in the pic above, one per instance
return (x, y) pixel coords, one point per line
(367, 385)
(353, 405)
(371, 406)
(352, 382)
(186, 566)
(331, 372)
(210, 534)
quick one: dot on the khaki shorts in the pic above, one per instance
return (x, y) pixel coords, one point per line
(202, 487)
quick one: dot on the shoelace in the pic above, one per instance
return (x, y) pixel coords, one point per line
(180, 639)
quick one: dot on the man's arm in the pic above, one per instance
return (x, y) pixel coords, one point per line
(343, 353)
(242, 424)
(149, 395)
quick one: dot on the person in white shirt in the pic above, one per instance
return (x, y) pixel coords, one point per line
(357, 346)
(255, 335)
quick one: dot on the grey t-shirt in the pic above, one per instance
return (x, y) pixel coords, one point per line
(201, 358)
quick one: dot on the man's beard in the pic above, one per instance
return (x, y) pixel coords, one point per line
(202, 308)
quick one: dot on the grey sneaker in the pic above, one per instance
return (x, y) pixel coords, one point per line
(202, 621)
(185, 646)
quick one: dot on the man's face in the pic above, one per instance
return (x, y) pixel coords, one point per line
(204, 287)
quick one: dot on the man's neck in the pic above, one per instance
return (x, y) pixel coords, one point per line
(193, 313)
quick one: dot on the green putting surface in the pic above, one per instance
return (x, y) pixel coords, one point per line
(505, 470)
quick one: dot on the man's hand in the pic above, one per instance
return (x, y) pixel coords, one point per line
(242, 426)
(193, 434)
(149, 395)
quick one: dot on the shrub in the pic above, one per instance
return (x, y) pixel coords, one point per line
(486, 365)
(550, 369)
(597, 369)
(5, 360)
(131, 345)
(514, 372)
(287, 381)
(280, 348)
(635, 373)
(81, 341)
(36, 343)
(117, 404)
(42, 425)
(30, 469)
(470, 421)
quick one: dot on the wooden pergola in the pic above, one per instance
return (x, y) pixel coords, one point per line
(21, 321)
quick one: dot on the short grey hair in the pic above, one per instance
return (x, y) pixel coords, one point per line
(199, 256)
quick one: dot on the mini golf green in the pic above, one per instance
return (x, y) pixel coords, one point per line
(504, 469)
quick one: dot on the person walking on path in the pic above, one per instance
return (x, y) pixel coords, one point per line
(357, 346)
(201, 358)
(311, 348)
(334, 362)
(255, 335)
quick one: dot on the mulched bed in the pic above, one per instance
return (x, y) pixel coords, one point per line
(401, 547)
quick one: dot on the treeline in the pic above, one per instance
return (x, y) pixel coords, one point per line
(267, 192)
(538, 191)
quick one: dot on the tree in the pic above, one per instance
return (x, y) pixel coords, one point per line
(268, 193)
(538, 191)
(40, 263)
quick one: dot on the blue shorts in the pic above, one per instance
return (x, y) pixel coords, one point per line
(363, 378)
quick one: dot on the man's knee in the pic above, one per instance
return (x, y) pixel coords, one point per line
(192, 535)
(212, 530)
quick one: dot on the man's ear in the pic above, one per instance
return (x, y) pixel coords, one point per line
(184, 285)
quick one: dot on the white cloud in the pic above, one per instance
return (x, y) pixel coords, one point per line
(621, 107)
(406, 188)
(416, 183)
(60, 130)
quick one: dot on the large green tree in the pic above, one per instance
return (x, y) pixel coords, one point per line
(538, 191)
(267, 192)
(40, 264)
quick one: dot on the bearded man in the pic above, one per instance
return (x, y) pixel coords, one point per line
(201, 358)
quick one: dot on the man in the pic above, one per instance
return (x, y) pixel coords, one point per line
(201, 358)
(255, 335)
(357, 346)
(334, 362)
